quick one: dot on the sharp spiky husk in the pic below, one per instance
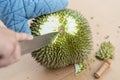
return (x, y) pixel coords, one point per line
(106, 51)
(72, 44)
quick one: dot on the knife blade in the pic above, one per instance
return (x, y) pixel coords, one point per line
(37, 43)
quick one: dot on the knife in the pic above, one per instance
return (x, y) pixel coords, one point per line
(37, 43)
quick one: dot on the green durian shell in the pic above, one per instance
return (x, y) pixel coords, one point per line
(67, 49)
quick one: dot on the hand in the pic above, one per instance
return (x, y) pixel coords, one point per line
(9, 46)
(16, 13)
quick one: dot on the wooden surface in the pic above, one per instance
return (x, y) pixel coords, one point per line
(104, 19)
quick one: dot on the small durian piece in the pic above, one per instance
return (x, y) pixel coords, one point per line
(79, 68)
(71, 46)
(106, 51)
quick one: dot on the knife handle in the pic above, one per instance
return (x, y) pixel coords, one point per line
(102, 69)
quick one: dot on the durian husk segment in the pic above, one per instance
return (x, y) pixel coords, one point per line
(67, 48)
(106, 51)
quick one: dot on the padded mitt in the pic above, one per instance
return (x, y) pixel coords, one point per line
(16, 13)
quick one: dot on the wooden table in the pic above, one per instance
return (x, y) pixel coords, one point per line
(104, 19)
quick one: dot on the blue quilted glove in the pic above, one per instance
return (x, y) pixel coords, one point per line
(16, 13)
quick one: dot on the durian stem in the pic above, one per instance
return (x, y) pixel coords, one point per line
(61, 29)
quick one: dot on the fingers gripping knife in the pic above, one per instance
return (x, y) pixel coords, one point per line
(37, 43)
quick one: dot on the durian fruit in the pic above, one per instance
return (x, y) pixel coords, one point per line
(72, 44)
